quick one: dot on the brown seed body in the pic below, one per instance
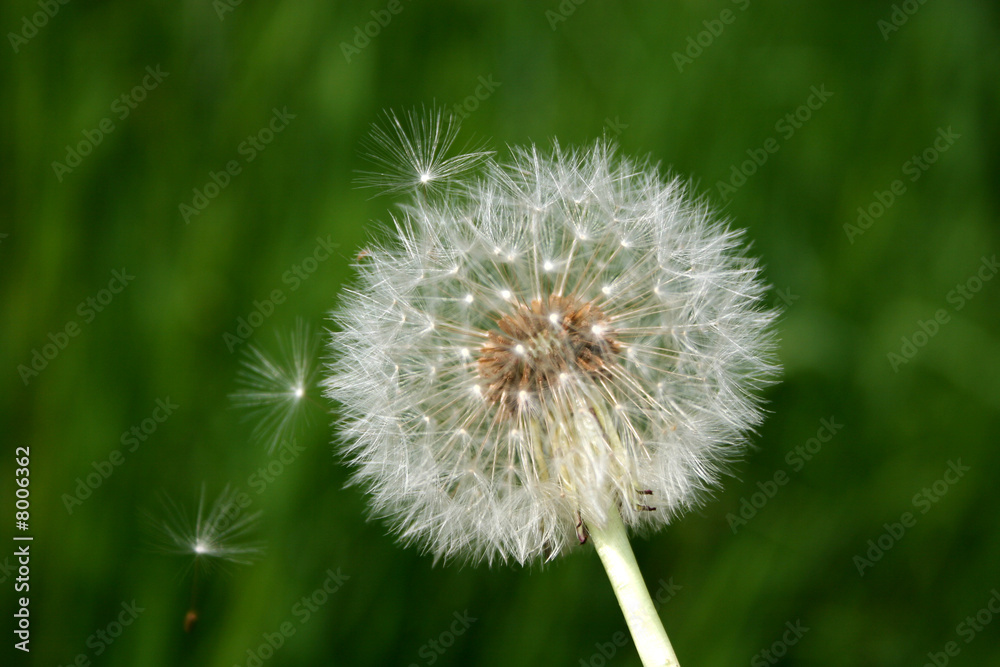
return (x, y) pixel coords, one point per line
(541, 342)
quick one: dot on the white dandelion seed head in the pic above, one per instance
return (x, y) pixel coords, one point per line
(611, 358)
(214, 534)
(274, 386)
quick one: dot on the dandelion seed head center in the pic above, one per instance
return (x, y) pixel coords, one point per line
(539, 345)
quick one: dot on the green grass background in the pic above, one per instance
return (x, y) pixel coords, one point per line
(849, 306)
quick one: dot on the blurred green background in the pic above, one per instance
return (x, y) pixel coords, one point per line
(852, 295)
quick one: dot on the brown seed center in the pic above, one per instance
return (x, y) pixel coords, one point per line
(541, 342)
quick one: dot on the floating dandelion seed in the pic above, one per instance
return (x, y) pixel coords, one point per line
(565, 343)
(274, 387)
(214, 536)
(411, 152)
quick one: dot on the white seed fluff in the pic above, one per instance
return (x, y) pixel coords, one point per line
(563, 335)
(273, 387)
(214, 534)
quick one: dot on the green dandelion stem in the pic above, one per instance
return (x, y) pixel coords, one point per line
(647, 631)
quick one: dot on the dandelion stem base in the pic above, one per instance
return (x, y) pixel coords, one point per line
(647, 631)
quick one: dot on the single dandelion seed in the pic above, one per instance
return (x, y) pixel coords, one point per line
(412, 151)
(603, 391)
(213, 536)
(274, 387)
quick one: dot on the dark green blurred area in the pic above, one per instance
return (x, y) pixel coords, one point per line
(606, 69)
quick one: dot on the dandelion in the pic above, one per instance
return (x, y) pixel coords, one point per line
(214, 536)
(274, 387)
(562, 346)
